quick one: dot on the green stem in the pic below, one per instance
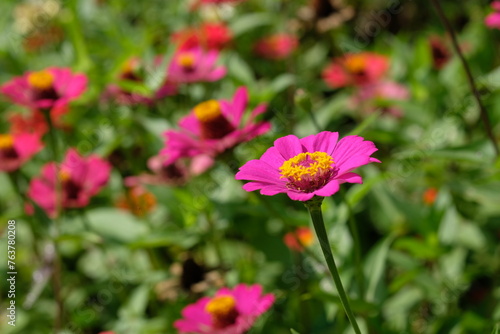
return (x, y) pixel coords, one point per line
(357, 247)
(57, 273)
(52, 135)
(470, 79)
(314, 207)
(75, 32)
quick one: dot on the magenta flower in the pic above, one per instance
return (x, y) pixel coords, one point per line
(312, 166)
(16, 149)
(211, 128)
(195, 65)
(493, 19)
(52, 87)
(228, 312)
(80, 179)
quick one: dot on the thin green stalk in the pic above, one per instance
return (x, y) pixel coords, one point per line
(57, 274)
(314, 207)
(357, 247)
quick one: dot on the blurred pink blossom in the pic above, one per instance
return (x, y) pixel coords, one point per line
(211, 128)
(16, 149)
(80, 179)
(195, 65)
(52, 87)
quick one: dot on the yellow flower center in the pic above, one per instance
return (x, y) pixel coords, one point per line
(64, 175)
(355, 63)
(306, 165)
(223, 311)
(186, 60)
(41, 80)
(207, 111)
(6, 141)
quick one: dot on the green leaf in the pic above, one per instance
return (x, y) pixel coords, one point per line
(116, 224)
(375, 267)
(240, 70)
(248, 22)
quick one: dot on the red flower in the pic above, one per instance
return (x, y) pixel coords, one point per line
(277, 46)
(355, 69)
(209, 36)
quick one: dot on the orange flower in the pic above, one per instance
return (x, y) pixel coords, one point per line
(300, 238)
(429, 196)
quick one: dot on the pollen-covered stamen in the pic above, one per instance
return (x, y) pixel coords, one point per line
(7, 147)
(186, 61)
(6, 142)
(308, 171)
(223, 311)
(213, 124)
(42, 83)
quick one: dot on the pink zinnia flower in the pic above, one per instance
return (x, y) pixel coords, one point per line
(173, 173)
(80, 179)
(355, 70)
(133, 70)
(211, 128)
(52, 87)
(209, 36)
(16, 149)
(380, 95)
(195, 65)
(228, 312)
(277, 46)
(312, 166)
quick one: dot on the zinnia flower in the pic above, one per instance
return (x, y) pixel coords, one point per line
(52, 87)
(312, 166)
(493, 19)
(228, 312)
(133, 70)
(277, 46)
(209, 36)
(298, 239)
(211, 128)
(80, 179)
(355, 70)
(16, 149)
(195, 65)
